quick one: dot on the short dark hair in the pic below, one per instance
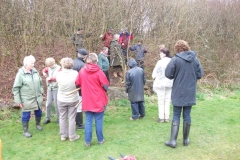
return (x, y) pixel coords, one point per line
(166, 52)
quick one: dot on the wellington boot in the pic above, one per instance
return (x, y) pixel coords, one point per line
(174, 133)
(25, 130)
(38, 120)
(186, 130)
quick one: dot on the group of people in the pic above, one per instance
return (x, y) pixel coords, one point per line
(118, 46)
(81, 85)
(78, 85)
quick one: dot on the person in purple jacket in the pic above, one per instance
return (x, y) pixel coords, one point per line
(140, 51)
(185, 69)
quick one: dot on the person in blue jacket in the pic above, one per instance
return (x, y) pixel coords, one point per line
(140, 51)
(185, 69)
(135, 81)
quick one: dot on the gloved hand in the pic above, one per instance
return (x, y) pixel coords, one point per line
(48, 79)
(44, 74)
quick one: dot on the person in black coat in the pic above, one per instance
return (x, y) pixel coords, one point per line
(135, 81)
(185, 69)
(78, 64)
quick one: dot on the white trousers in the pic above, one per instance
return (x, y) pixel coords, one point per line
(164, 100)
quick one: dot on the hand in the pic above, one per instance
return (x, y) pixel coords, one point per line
(20, 105)
(48, 79)
(45, 74)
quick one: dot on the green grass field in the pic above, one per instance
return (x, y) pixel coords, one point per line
(214, 134)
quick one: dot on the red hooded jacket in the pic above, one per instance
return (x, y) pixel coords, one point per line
(92, 80)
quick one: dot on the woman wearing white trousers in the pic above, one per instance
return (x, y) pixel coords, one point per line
(162, 86)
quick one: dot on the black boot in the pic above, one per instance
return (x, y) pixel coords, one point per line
(38, 120)
(25, 130)
(186, 130)
(79, 120)
(174, 133)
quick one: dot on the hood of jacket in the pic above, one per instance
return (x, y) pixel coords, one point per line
(132, 63)
(188, 56)
(92, 68)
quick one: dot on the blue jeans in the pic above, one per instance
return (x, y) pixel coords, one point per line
(137, 109)
(26, 115)
(98, 116)
(186, 113)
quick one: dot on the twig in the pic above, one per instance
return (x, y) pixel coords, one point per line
(73, 91)
(78, 104)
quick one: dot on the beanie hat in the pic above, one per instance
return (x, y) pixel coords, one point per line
(82, 51)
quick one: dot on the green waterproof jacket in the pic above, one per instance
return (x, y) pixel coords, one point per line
(28, 89)
(116, 56)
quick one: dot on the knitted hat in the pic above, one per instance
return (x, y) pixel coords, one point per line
(82, 51)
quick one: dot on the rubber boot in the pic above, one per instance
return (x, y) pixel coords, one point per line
(25, 130)
(79, 120)
(174, 133)
(186, 130)
(38, 120)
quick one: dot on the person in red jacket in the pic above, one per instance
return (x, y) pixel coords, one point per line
(94, 85)
(107, 38)
(124, 40)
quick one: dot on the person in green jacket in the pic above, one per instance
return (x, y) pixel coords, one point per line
(28, 93)
(103, 62)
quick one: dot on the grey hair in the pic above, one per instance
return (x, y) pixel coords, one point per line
(104, 48)
(116, 36)
(92, 58)
(67, 63)
(28, 59)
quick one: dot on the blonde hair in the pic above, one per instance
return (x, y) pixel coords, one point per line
(49, 61)
(92, 58)
(181, 46)
(28, 59)
(67, 63)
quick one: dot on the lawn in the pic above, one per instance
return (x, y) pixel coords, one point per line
(214, 134)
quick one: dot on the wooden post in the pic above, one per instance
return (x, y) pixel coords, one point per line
(0, 149)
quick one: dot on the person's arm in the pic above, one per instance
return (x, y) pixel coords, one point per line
(145, 50)
(16, 89)
(144, 77)
(53, 79)
(78, 80)
(154, 73)
(45, 72)
(170, 69)
(41, 85)
(103, 80)
(131, 36)
(127, 82)
(104, 37)
(132, 48)
(100, 63)
(200, 71)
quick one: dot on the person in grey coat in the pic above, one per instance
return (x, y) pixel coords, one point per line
(135, 81)
(185, 69)
(78, 64)
(78, 38)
